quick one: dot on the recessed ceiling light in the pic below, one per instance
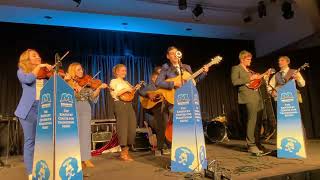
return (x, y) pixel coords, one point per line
(47, 17)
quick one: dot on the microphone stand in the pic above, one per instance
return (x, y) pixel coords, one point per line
(58, 61)
(181, 72)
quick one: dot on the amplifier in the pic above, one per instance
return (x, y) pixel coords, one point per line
(142, 141)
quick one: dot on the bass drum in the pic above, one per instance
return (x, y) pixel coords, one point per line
(215, 131)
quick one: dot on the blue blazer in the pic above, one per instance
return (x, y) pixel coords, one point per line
(149, 87)
(28, 83)
(169, 71)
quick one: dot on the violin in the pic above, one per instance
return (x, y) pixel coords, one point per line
(44, 73)
(88, 81)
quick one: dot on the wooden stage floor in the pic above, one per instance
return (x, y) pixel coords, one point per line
(231, 157)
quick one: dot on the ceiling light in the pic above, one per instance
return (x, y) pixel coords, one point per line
(182, 4)
(247, 19)
(197, 11)
(78, 2)
(287, 11)
(262, 10)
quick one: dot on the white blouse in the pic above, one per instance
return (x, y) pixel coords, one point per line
(117, 85)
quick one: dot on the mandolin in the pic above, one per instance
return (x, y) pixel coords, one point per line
(256, 83)
(128, 96)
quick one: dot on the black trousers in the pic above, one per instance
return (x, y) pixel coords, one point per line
(126, 123)
(160, 118)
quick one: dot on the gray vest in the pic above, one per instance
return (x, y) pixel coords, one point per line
(280, 81)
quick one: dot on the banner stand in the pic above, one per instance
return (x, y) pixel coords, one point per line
(57, 149)
(188, 145)
(290, 136)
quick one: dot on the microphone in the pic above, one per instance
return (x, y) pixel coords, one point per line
(179, 54)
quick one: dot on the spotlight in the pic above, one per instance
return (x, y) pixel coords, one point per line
(197, 11)
(182, 4)
(78, 2)
(287, 11)
(262, 10)
(247, 19)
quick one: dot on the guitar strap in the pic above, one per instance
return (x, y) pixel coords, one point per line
(289, 75)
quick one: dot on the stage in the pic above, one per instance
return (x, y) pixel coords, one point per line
(231, 157)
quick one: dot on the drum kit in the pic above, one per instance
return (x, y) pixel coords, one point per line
(216, 130)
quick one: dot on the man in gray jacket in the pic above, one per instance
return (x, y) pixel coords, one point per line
(241, 76)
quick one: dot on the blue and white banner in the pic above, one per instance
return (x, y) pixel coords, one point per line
(188, 145)
(290, 136)
(67, 147)
(43, 161)
(57, 149)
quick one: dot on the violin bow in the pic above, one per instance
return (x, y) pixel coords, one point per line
(90, 80)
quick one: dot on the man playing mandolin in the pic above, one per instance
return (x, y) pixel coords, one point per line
(241, 77)
(171, 70)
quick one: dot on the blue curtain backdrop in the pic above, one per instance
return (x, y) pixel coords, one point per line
(138, 69)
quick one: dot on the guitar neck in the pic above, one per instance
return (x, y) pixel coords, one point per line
(197, 73)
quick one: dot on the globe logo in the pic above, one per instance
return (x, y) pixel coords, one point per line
(70, 170)
(42, 171)
(290, 147)
(183, 159)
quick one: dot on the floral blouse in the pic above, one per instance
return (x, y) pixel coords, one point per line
(86, 94)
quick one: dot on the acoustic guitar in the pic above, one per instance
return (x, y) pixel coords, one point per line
(148, 103)
(287, 79)
(129, 96)
(186, 76)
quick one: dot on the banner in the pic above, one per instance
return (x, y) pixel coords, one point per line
(188, 145)
(290, 136)
(43, 161)
(57, 149)
(67, 147)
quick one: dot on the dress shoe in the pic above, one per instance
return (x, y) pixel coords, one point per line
(264, 149)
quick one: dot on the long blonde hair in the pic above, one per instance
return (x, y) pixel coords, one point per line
(72, 72)
(72, 69)
(24, 61)
(115, 68)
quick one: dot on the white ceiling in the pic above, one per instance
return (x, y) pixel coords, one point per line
(221, 19)
(228, 12)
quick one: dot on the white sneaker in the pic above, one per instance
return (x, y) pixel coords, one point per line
(254, 150)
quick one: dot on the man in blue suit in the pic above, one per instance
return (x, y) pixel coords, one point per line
(169, 70)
